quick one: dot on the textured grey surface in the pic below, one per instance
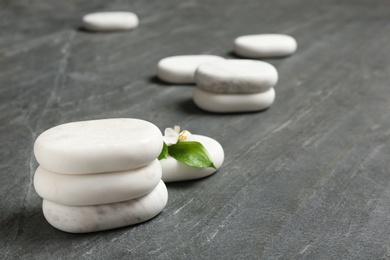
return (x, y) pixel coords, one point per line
(308, 178)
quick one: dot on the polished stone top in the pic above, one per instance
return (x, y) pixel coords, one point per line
(98, 146)
(308, 178)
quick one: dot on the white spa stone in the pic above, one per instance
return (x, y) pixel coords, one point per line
(83, 219)
(110, 21)
(96, 146)
(265, 45)
(236, 76)
(227, 103)
(181, 69)
(173, 170)
(98, 188)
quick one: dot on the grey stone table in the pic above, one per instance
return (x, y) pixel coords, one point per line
(308, 178)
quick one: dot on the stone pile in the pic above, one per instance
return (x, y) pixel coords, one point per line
(100, 174)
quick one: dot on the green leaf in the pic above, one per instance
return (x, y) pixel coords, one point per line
(191, 153)
(164, 152)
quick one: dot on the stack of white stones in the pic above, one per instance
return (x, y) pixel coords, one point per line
(228, 86)
(100, 174)
(235, 86)
(259, 46)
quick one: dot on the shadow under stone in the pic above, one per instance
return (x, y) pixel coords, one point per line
(83, 30)
(233, 55)
(182, 185)
(157, 81)
(189, 106)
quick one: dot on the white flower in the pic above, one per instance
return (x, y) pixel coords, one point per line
(172, 136)
(184, 135)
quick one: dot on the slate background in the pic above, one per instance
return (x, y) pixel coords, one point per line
(308, 178)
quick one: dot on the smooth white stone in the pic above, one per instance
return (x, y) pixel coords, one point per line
(110, 21)
(181, 69)
(236, 76)
(98, 188)
(265, 45)
(83, 219)
(173, 170)
(96, 146)
(226, 103)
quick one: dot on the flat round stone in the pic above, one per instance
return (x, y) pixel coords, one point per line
(110, 21)
(265, 45)
(83, 219)
(173, 170)
(98, 188)
(96, 146)
(228, 103)
(181, 69)
(236, 76)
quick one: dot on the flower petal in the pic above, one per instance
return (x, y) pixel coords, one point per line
(177, 129)
(184, 135)
(170, 136)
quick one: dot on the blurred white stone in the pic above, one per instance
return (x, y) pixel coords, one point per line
(228, 103)
(181, 69)
(236, 76)
(110, 21)
(265, 45)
